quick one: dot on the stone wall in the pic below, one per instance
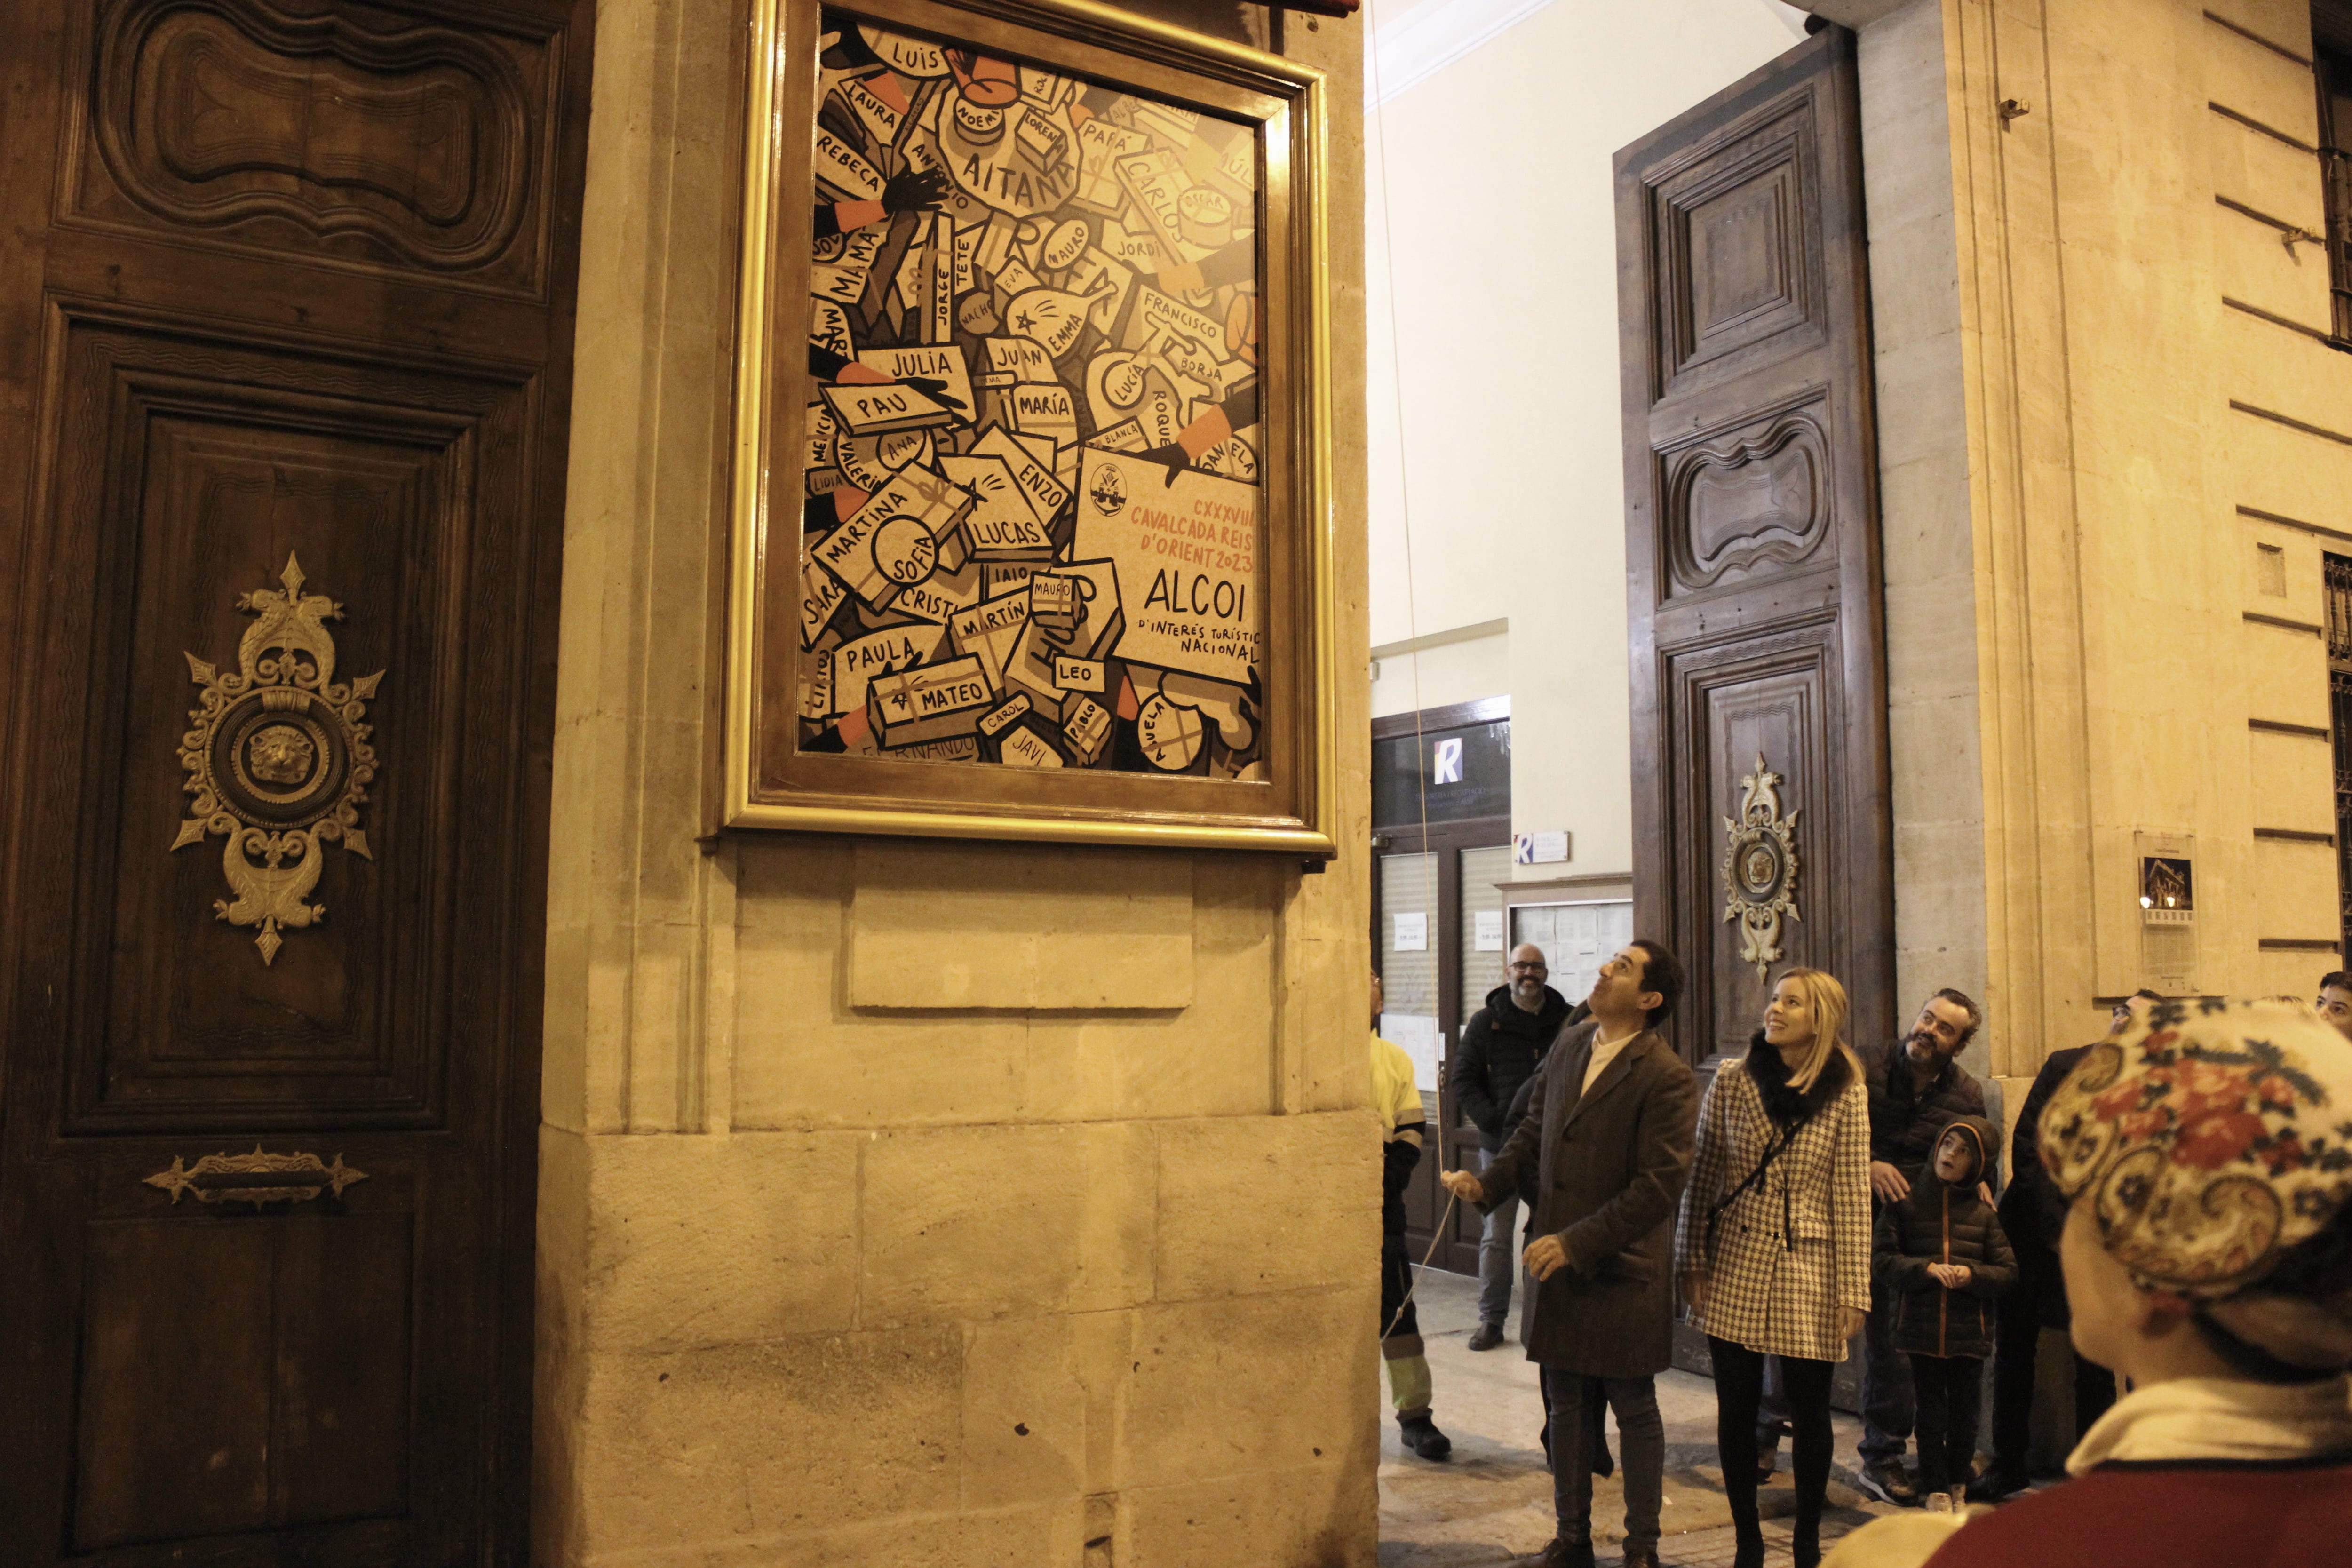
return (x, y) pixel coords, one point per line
(2104, 400)
(1933, 715)
(902, 1201)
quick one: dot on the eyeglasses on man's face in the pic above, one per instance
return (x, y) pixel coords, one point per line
(1528, 969)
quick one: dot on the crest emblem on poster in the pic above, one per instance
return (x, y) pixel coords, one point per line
(277, 759)
(1759, 868)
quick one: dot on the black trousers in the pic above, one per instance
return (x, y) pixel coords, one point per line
(1738, 1389)
(1950, 1402)
(2039, 1301)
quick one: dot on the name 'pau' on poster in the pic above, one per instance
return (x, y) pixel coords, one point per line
(1033, 528)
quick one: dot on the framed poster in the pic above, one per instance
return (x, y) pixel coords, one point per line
(1030, 527)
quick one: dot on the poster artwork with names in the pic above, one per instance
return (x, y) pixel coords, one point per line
(1034, 531)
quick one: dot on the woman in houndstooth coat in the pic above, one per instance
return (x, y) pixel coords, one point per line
(1773, 1247)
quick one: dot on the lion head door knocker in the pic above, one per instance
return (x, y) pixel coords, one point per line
(278, 760)
(1759, 871)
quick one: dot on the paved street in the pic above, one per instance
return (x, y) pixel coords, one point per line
(1491, 1503)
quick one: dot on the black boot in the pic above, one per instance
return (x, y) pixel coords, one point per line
(1422, 1436)
(1748, 1535)
(1805, 1541)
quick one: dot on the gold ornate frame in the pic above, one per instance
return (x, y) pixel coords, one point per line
(766, 781)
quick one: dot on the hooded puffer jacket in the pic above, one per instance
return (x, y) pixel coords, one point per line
(1945, 1222)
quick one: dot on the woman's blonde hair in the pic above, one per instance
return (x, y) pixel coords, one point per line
(1826, 999)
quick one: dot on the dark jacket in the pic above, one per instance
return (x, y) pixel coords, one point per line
(1904, 1118)
(1945, 1222)
(1609, 1167)
(1502, 1045)
(1511, 1120)
(2031, 1211)
(1526, 1092)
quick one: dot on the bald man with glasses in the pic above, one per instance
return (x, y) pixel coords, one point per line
(1501, 1046)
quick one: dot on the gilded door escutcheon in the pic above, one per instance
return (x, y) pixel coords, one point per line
(277, 759)
(1759, 868)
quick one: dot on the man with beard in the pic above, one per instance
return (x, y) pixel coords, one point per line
(1916, 1089)
(1607, 1140)
(1501, 1046)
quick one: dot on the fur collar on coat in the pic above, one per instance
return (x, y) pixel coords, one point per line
(1787, 1105)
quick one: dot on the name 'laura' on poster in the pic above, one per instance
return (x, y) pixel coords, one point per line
(1187, 555)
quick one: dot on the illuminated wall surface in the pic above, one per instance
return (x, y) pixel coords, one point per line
(1008, 1198)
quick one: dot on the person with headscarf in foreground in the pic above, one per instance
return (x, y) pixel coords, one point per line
(2205, 1156)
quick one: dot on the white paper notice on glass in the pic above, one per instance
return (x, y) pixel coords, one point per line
(1409, 934)
(1418, 1036)
(1487, 931)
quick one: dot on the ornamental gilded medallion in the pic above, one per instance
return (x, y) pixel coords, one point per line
(277, 759)
(1759, 868)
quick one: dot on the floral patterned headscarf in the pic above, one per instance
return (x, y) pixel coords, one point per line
(2214, 1136)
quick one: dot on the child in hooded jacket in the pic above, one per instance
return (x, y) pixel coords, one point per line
(1944, 1261)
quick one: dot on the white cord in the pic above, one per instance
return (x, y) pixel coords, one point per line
(1436, 1236)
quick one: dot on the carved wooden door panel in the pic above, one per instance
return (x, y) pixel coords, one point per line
(285, 298)
(1761, 830)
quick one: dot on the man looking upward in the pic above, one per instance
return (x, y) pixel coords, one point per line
(1502, 1045)
(1608, 1136)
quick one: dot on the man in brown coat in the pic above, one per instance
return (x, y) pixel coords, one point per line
(1608, 1134)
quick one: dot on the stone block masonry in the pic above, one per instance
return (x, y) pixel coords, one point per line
(904, 1202)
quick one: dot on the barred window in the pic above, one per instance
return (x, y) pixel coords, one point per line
(2339, 703)
(2331, 57)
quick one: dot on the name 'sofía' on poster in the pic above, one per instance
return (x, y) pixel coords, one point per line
(1187, 555)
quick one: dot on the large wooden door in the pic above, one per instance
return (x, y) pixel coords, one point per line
(284, 340)
(1751, 529)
